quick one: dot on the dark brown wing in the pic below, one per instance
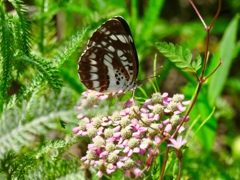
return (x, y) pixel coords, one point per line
(110, 61)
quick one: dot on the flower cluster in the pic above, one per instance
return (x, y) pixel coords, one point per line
(128, 137)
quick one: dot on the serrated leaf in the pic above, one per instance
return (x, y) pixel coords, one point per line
(188, 56)
(181, 58)
(181, 65)
(19, 125)
(197, 62)
(178, 50)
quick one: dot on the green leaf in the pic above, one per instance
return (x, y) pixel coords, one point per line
(47, 71)
(188, 56)
(20, 125)
(181, 58)
(7, 51)
(197, 62)
(23, 28)
(226, 53)
(70, 47)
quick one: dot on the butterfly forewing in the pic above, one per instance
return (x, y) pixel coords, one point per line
(110, 62)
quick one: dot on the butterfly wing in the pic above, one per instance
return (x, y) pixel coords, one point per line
(110, 62)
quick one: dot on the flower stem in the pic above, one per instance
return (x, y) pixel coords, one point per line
(180, 170)
(200, 80)
(164, 163)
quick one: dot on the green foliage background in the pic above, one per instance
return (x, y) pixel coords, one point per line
(41, 42)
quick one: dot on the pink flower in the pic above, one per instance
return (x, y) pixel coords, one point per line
(75, 130)
(146, 103)
(110, 168)
(99, 174)
(177, 144)
(134, 171)
(117, 138)
(168, 128)
(129, 102)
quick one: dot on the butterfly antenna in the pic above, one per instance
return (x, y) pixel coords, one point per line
(152, 75)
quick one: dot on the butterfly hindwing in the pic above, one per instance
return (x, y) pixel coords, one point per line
(110, 62)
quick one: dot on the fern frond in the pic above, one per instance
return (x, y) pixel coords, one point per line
(80, 175)
(26, 91)
(22, 135)
(23, 28)
(71, 45)
(49, 169)
(51, 146)
(181, 58)
(20, 125)
(39, 163)
(7, 52)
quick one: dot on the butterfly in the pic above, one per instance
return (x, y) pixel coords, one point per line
(110, 61)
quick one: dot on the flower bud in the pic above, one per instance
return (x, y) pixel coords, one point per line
(91, 155)
(133, 142)
(97, 121)
(126, 133)
(108, 133)
(156, 98)
(99, 141)
(172, 106)
(177, 98)
(175, 120)
(92, 132)
(112, 157)
(125, 121)
(129, 163)
(116, 116)
(134, 111)
(158, 109)
(110, 147)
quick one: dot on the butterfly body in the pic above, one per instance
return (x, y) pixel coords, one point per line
(110, 62)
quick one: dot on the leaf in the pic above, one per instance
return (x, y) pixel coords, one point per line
(226, 53)
(71, 46)
(188, 56)
(6, 54)
(45, 69)
(23, 28)
(181, 58)
(19, 125)
(197, 62)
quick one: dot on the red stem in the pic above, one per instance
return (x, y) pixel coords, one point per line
(201, 79)
(199, 15)
(164, 163)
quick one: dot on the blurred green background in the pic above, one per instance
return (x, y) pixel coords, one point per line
(41, 42)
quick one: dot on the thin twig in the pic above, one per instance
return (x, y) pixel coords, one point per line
(199, 15)
(219, 64)
(216, 16)
(205, 55)
(200, 80)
